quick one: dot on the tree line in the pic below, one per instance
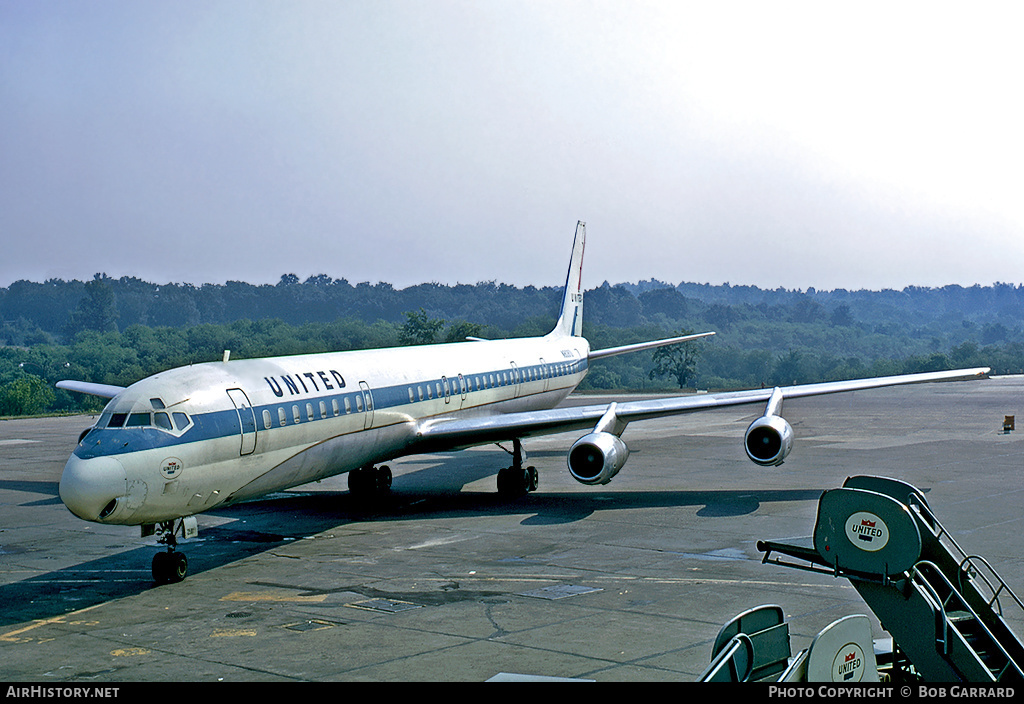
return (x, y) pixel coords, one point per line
(117, 331)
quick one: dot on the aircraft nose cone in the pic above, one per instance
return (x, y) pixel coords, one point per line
(90, 487)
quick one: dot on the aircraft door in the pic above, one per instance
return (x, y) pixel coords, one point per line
(516, 379)
(246, 421)
(364, 389)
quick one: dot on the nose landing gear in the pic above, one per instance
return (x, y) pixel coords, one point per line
(171, 566)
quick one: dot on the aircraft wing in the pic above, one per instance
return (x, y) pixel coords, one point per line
(87, 387)
(446, 434)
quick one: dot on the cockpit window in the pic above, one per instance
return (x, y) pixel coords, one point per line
(181, 421)
(176, 422)
(137, 420)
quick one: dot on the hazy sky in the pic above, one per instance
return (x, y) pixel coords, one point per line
(795, 144)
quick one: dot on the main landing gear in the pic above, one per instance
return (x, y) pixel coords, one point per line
(370, 481)
(171, 566)
(517, 480)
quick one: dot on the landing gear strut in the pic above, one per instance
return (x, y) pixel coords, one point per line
(370, 481)
(517, 480)
(172, 566)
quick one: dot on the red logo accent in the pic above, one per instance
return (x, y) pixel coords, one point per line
(851, 656)
(869, 524)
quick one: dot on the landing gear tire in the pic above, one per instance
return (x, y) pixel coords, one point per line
(515, 481)
(169, 567)
(383, 479)
(370, 481)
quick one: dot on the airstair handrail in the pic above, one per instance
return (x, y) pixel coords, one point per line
(728, 664)
(916, 502)
(969, 560)
(947, 623)
(937, 605)
(921, 507)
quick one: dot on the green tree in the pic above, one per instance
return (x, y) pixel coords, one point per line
(679, 360)
(25, 396)
(97, 310)
(419, 329)
(792, 368)
(842, 316)
(460, 330)
(603, 378)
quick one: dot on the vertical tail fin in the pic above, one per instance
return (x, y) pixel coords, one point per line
(570, 319)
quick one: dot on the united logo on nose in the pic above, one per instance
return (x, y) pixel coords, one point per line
(171, 468)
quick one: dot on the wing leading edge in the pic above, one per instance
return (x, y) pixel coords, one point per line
(88, 387)
(445, 434)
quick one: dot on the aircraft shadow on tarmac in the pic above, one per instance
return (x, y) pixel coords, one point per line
(33, 487)
(281, 519)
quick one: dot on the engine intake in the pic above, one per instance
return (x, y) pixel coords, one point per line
(768, 440)
(597, 457)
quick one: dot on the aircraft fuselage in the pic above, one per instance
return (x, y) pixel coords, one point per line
(191, 438)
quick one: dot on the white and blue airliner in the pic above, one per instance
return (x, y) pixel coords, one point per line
(194, 438)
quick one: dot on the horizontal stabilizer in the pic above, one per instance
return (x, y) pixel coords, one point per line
(87, 387)
(612, 351)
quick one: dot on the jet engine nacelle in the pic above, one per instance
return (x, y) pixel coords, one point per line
(597, 457)
(768, 440)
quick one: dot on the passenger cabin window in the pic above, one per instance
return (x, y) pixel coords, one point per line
(282, 417)
(268, 422)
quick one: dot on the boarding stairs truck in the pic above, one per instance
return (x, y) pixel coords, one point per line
(943, 608)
